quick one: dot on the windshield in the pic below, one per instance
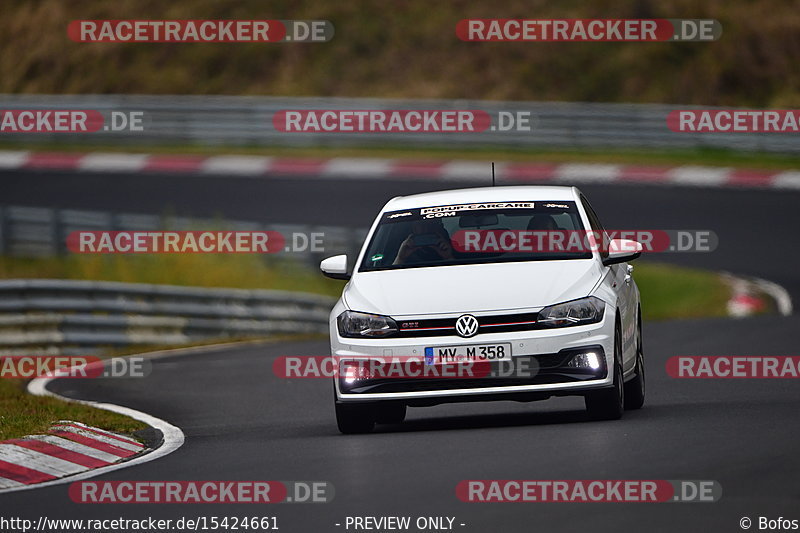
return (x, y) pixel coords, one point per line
(466, 234)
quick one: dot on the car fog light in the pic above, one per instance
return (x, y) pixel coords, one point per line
(585, 360)
(353, 371)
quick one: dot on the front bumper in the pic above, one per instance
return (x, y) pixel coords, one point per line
(546, 352)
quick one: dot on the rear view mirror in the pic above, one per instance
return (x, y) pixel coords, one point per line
(621, 251)
(335, 267)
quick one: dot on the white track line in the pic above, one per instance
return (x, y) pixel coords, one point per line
(587, 173)
(778, 293)
(699, 176)
(173, 436)
(479, 171)
(739, 284)
(13, 159)
(238, 165)
(345, 167)
(113, 162)
(787, 180)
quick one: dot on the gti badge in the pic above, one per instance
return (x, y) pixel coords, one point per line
(467, 325)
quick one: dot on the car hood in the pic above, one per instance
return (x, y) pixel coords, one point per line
(471, 288)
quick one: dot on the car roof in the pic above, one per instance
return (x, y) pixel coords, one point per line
(484, 194)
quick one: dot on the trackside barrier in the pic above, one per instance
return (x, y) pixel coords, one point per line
(54, 316)
(41, 232)
(248, 121)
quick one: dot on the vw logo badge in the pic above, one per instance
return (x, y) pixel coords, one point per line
(467, 325)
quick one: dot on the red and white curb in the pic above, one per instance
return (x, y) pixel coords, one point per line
(362, 168)
(172, 436)
(88, 452)
(68, 448)
(750, 296)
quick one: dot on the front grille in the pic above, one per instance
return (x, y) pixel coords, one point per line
(436, 327)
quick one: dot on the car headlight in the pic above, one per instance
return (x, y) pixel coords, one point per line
(575, 313)
(353, 324)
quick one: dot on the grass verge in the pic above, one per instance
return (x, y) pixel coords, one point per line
(673, 292)
(240, 271)
(25, 414)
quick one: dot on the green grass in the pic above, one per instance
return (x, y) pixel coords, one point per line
(25, 414)
(241, 271)
(672, 292)
(630, 156)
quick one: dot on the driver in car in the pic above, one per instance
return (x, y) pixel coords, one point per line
(427, 242)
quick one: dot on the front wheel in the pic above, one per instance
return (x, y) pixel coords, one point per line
(634, 389)
(607, 404)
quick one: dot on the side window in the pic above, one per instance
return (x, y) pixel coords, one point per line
(595, 223)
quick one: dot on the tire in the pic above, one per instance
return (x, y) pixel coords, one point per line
(390, 413)
(608, 404)
(635, 388)
(355, 418)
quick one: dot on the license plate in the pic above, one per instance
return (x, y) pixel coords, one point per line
(467, 353)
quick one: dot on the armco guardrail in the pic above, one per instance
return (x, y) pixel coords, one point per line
(40, 231)
(51, 316)
(247, 121)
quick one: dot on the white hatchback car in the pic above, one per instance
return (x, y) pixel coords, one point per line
(449, 280)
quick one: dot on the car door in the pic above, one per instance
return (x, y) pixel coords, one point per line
(622, 286)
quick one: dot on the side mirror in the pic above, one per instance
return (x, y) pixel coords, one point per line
(335, 267)
(622, 251)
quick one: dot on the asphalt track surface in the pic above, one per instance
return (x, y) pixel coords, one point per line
(242, 422)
